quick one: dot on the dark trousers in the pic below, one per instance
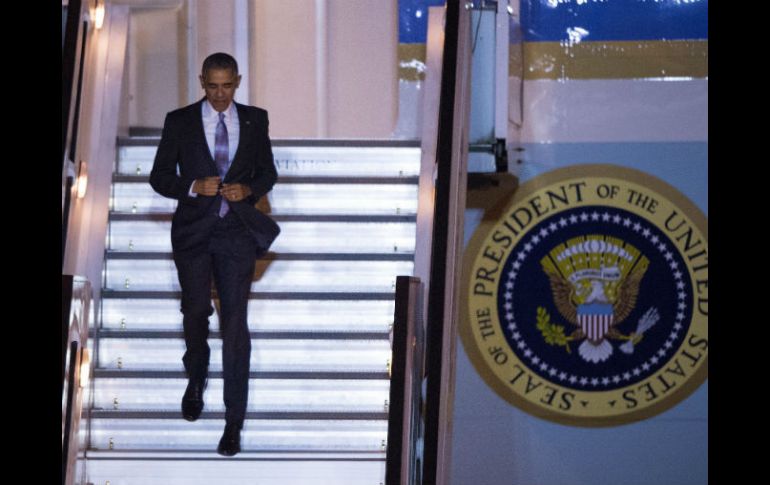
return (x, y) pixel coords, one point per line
(229, 258)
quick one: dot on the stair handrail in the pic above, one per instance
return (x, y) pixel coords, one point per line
(76, 366)
(405, 418)
(442, 285)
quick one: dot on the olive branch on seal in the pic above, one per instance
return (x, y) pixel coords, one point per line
(552, 333)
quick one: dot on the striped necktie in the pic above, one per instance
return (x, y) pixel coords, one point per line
(221, 156)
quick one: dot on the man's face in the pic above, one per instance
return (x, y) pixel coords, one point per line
(220, 86)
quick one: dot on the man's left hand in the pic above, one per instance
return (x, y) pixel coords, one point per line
(235, 192)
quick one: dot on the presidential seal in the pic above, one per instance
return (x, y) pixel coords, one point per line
(585, 299)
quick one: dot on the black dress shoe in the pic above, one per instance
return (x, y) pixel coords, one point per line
(192, 401)
(230, 444)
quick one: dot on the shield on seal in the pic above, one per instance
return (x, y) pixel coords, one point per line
(595, 319)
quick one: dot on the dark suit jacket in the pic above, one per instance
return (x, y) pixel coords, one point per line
(183, 144)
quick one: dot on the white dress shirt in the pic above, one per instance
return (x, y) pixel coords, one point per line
(210, 118)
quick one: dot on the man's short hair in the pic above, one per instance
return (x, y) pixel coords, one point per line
(219, 60)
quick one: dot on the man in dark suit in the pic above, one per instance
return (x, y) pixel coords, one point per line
(225, 164)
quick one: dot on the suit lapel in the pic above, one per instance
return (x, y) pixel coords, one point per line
(243, 134)
(196, 115)
(244, 123)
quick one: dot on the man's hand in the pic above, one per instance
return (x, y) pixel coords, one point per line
(235, 192)
(207, 186)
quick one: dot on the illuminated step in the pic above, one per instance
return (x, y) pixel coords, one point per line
(255, 295)
(272, 256)
(295, 237)
(171, 468)
(167, 217)
(345, 374)
(264, 315)
(257, 435)
(270, 276)
(306, 161)
(313, 334)
(290, 198)
(265, 395)
(122, 414)
(266, 355)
